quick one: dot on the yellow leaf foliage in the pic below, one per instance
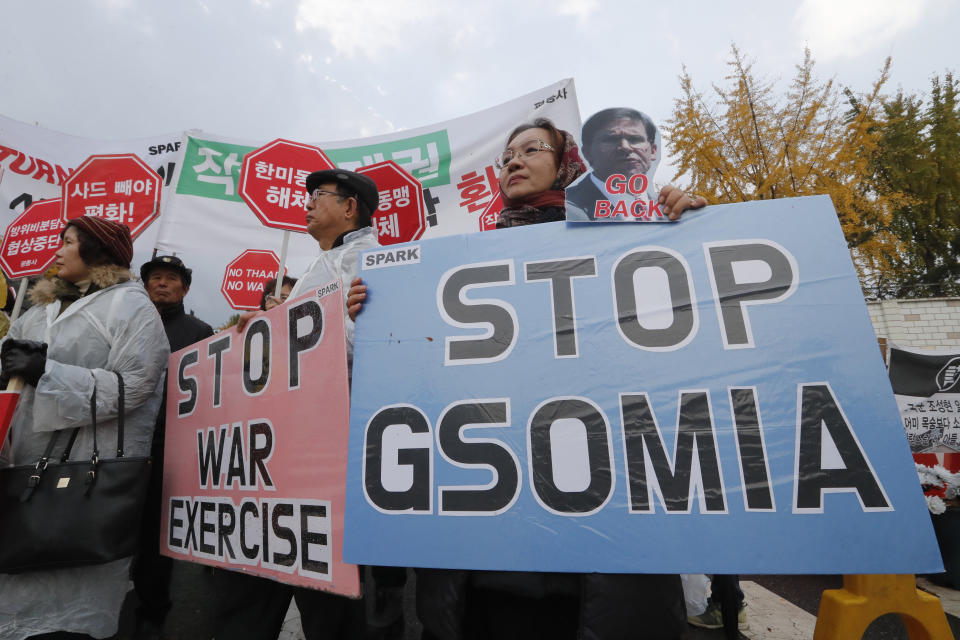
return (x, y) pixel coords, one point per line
(751, 144)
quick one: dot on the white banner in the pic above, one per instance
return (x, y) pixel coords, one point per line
(206, 223)
(34, 162)
(926, 383)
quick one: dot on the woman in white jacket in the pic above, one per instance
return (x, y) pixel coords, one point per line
(96, 323)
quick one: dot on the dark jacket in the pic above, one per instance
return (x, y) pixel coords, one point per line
(611, 606)
(584, 195)
(183, 329)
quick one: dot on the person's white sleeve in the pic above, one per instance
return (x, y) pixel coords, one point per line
(139, 353)
(349, 270)
(17, 327)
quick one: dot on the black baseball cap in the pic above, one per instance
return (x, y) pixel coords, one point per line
(364, 187)
(167, 262)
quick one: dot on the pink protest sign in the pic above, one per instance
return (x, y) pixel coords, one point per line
(256, 447)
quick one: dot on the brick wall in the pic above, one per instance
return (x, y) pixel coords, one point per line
(927, 323)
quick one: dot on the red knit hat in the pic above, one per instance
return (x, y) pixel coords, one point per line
(113, 236)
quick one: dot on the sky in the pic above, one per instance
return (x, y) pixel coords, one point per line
(319, 71)
(316, 70)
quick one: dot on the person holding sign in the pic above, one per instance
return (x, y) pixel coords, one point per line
(87, 326)
(339, 216)
(167, 281)
(538, 162)
(340, 206)
(621, 146)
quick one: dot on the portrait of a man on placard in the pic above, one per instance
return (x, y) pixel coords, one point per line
(622, 146)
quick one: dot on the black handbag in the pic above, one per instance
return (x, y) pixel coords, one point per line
(67, 514)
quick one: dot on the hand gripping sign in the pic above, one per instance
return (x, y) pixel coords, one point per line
(121, 188)
(31, 240)
(256, 442)
(244, 277)
(400, 216)
(273, 182)
(700, 396)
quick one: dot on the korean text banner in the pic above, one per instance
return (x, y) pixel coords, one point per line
(207, 224)
(35, 162)
(256, 439)
(927, 387)
(705, 396)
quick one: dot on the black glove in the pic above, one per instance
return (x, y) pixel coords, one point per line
(24, 358)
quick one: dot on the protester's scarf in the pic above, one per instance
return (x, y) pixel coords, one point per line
(529, 210)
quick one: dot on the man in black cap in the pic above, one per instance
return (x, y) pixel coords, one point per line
(340, 205)
(167, 281)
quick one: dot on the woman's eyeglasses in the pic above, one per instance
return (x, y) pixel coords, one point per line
(526, 150)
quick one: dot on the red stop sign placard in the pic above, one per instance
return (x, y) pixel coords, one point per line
(245, 276)
(30, 241)
(118, 187)
(490, 214)
(399, 216)
(273, 182)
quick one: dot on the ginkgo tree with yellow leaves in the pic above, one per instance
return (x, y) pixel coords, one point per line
(743, 141)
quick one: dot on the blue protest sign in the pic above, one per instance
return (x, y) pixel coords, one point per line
(706, 396)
